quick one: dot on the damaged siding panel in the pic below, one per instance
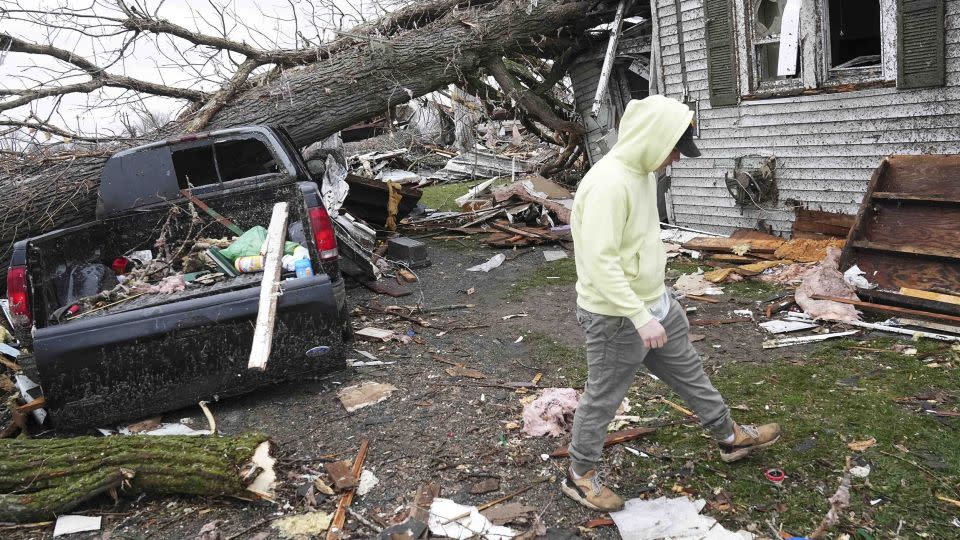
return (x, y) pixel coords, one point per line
(828, 144)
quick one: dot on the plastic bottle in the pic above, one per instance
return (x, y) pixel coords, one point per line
(303, 268)
(247, 265)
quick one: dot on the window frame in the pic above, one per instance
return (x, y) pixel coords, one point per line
(813, 68)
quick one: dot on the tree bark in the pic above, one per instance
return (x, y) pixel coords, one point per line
(409, 54)
(43, 478)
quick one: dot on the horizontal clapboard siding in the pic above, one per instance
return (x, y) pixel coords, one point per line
(826, 145)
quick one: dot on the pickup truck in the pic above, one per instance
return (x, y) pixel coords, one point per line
(160, 352)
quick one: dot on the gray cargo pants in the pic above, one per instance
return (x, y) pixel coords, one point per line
(614, 354)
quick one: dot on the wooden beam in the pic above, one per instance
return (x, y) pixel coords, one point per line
(887, 309)
(269, 289)
(913, 251)
(914, 198)
(726, 245)
(612, 439)
(929, 295)
(340, 516)
(860, 222)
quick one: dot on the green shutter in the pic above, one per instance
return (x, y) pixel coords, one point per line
(920, 43)
(721, 67)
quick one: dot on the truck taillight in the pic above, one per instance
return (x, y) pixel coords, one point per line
(19, 296)
(323, 233)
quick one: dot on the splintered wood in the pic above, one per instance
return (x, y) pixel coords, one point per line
(269, 289)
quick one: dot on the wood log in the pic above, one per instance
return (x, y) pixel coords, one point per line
(43, 478)
(726, 245)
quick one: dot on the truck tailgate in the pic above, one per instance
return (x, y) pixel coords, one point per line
(142, 362)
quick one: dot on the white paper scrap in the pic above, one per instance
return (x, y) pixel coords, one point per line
(494, 262)
(443, 523)
(76, 524)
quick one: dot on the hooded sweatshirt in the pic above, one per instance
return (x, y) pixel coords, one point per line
(616, 227)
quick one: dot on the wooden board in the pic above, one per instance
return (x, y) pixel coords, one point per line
(816, 223)
(906, 229)
(726, 245)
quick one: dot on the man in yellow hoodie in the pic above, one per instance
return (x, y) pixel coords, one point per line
(629, 317)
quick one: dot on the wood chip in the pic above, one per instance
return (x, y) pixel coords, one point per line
(341, 472)
(860, 446)
(487, 485)
(463, 371)
(508, 513)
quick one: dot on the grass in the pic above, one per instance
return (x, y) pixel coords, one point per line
(561, 272)
(837, 395)
(751, 289)
(545, 351)
(443, 196)
(685, 265)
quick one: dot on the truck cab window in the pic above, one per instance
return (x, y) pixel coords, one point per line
(244, 158)
(195, 167)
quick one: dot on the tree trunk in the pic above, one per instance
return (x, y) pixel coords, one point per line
(43, 478)
(315, 100)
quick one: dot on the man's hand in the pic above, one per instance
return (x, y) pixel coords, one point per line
(653, 334)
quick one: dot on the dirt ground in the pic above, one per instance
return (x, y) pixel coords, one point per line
(455, 431)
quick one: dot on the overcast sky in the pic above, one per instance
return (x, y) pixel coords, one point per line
(161, 59)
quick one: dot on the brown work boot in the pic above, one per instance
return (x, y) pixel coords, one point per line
(589, 491)
(746, 439)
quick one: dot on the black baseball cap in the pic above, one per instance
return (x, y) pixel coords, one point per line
(685, 144)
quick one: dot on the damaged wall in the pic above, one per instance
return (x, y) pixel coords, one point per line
(827, 145)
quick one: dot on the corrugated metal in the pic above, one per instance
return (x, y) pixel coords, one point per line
(826, 145)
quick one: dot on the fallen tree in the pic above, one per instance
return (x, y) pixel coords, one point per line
(313, 91)
(43, 478)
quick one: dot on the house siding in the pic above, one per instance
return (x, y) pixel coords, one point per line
(826, 145)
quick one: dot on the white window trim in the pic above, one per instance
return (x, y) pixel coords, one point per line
(814, 65)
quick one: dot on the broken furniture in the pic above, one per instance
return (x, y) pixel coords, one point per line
(906, 232)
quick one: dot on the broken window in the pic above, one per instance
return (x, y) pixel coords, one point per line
(775, 28)
(853, 38)
(222, 162)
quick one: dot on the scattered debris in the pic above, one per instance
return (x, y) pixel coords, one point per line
(508, 513)
(663, 518)
(494, 262)
(487, 485)
(825, 280)
(783, 327)
(618, 437)
(367, 482)
(554, 255)
(786, 342)
(839, 501)
(341, 472)
(695, 284)
(446, 521)
(71, 524)
(551, 413)
(364, 394)
(302, 526)
(860, 446)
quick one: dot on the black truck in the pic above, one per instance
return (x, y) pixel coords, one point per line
(160, 352)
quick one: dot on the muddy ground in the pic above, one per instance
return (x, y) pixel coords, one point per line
(438, 428)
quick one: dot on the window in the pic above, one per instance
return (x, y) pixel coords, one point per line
(772, 48)
(769, 30)
(852, 35)
(223, 161)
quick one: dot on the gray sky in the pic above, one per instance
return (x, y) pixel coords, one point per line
(162, 59)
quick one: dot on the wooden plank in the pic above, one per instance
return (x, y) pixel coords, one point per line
(917, 225)
(888, 309)
(727, 244)
(38, 403)
(211, 212)
(846, 256)
(927, 324)
(908, 251)
(915, 198)
(618, 437)
(929, 174)
(878, 296)
(894, 270)
(340, 516)
(929, 295)
(819, 222)
(269, 289)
